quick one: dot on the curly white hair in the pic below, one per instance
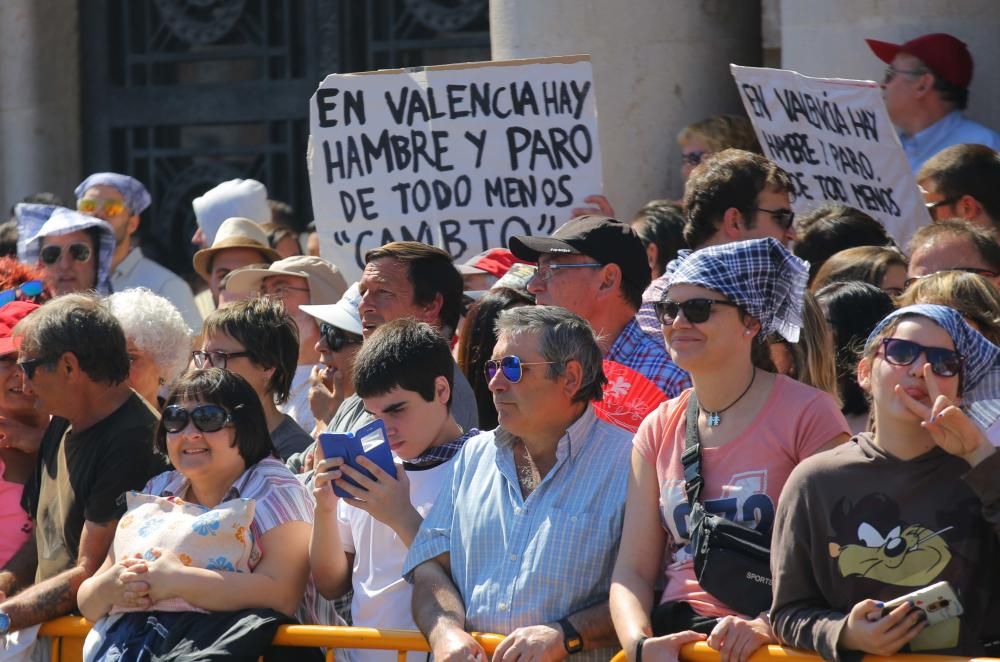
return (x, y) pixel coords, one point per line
(156, 327)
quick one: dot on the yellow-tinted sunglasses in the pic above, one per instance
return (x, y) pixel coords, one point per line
(93, 205)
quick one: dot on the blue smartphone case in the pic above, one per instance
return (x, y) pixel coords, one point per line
(370, 441)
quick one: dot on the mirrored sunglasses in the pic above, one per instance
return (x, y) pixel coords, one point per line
(31, 288)
(94, 205)
(207, 418)
(944, 362)
(511, 366)
(79, 252)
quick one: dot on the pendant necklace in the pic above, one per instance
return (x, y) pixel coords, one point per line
(715, 417)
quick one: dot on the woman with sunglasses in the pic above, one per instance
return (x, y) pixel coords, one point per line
(74, 251)
(753, 427)
(214, 433)
(911, 504)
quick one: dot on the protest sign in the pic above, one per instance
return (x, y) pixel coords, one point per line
(834, 137)
(460, 156)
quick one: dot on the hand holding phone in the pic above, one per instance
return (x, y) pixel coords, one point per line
(937, 601)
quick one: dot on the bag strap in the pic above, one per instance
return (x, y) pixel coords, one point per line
(691, 457)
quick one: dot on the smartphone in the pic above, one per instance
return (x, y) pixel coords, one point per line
(370, 441)
(937, 601)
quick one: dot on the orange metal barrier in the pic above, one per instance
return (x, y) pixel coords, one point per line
(69, 632)
(700, 652)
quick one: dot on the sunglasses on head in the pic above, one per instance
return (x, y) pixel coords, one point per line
(944, 362)
(207, 418)
(695, 311)
(31, 288)
(336, 338)
(511, 366)
(93, 205)
(79, 252)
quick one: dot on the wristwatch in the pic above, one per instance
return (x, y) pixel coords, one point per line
(4, 623)
(572, 641)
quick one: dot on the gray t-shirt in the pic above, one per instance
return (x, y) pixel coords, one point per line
(289, 438)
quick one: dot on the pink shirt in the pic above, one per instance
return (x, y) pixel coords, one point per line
(15, 525)
(743, 478)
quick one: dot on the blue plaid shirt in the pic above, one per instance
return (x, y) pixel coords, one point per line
(519, 562)
(635, 349)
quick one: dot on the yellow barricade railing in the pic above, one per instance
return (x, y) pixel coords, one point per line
(69, 632)
(701, 652)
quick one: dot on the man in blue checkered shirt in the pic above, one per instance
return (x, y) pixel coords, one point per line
(596, 267)
(522, 539)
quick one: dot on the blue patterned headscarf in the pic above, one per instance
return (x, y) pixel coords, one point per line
(133, 192)
(62, 221)
(981, 365)
(759, 275)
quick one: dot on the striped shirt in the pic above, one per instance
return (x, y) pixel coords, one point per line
(519, 562)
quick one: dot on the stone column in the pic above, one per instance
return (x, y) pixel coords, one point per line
(39, 99)
(823, 38)
(659, 65)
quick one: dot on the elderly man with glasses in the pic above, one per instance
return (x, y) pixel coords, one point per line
(596, 267)
(926, 88)
(118, 200)
(523, 539)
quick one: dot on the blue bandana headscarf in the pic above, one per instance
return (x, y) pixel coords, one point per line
(134, 193)
(759, 275)
(981, 365)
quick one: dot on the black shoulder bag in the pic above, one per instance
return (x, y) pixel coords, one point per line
(731, 561)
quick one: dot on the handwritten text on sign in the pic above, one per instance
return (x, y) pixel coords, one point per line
(460, 156)
(834, 138)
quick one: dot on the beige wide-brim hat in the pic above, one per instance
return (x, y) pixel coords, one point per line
(234, 232)
(326, 283)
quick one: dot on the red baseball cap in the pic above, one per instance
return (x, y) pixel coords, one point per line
(945, 55)
(495, 261)
(10, 315)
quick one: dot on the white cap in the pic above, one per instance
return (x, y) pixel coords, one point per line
(344, 314)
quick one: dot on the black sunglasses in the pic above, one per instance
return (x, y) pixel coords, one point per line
(784, 217)
(695, 311)
(30, 365)
(511, 366)
(79, 252)
(207, 418)
(944, 362)
(215, 359)
(336, 338)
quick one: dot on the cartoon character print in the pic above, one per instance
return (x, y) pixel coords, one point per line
(871, 541)
(744, 500)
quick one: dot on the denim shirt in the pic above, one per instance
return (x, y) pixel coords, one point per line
(527, 561)
(952, 129)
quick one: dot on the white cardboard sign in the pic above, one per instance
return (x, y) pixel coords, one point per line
(459, 156)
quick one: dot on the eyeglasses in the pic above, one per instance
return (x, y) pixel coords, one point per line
(79, 252)
(29, 366)
(336, 338)
(544, 273)
(93, 205)
(985, 273)
(944, 362)
(784, 217)
(695, 311)
(692, 158)
(511, 366)
(207, 418)
(892, 72)
(280, 291)
(931, 206)
(31, 288)
(215, 359)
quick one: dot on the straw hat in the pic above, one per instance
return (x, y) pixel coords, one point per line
(234, 233)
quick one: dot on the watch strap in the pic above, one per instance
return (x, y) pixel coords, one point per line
(572, 641)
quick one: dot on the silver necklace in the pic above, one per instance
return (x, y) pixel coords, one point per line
(715, 417)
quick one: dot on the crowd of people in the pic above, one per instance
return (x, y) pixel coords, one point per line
(175, 466)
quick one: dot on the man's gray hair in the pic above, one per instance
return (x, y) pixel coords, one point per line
(156, 327)
(563, 336)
